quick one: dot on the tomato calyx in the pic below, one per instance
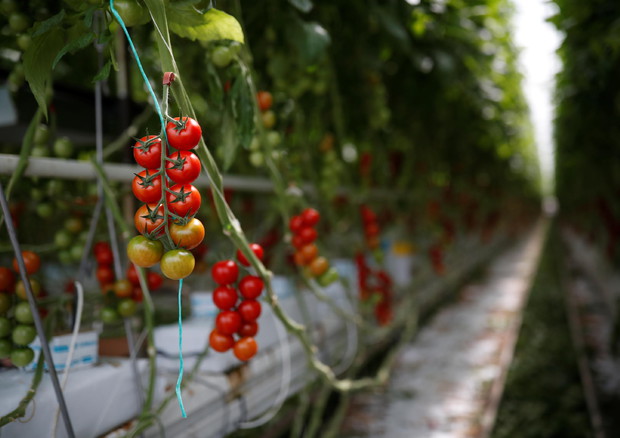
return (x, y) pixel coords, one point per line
(143, 144)
(179, 196)
(147, 180)
(178, 163)
(180, 123)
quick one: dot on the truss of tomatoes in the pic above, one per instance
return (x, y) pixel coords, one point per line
(173, 165)
(17, 329)
(371, 227)
(237, 321)
(121, 295)
(306, 252)
(375, 284)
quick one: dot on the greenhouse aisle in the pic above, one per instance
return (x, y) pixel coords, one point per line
(448, 382)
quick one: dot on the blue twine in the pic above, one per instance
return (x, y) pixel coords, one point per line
(180, 379)
(163, 131)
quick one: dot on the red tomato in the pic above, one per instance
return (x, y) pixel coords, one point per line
(147, 152)
(101, 247)
(225, 272)
(105, 275)
(249, 310)
(256, 249)
(298, 241)
(221, 342)
(319, 266)
(265, 100)
(146, 186)
(248, 328)
(310, 217)
(371, 229)
(295, 224)
(154, 280)
(147, 219)
(368, 215)
(245, 348)
(183, 167)
(228, 322)
(32, 262)
(7, 280)
(308, 234)
(183, 200)
(309, 252)
(251, 286)
(184, 134)
(224, 297)
(137, 295)
(132, 275)
(104, 256)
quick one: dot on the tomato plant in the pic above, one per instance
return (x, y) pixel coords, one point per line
(184, 133)
(20, 289)
(104, 274)
(23, 334)
(7, 280)
(22, 356)
(123, 288)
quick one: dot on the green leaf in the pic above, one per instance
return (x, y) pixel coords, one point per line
(302, 5)
(48, 24)
(74, 44)
(104, 72)
(310, 39)
(38, 61)
(212, 25)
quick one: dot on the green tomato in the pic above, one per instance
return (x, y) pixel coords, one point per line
(23, 41)
(273, 138)
(5, 303)
(55, 187)
(5, 348)
(5, 326)
(63, 239)
(328, 277)
(74, 224)
(23, 334)
(36, 194)
(45, 210)
(221, 56)
(23, 313)
(42, 134)
(18, 22)
(76, 252)
(126, 308)
(22, 356)
(257, 159)
(63, 147)
(39, 151)
(109, 315)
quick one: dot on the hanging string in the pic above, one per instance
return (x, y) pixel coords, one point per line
(163, 132)
(180, 379)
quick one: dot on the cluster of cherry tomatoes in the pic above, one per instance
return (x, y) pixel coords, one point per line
(375, 284)
(306, 252)
(123, 294)
(17, 330)
(239, 307)
(371, 227)
(164, 186)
